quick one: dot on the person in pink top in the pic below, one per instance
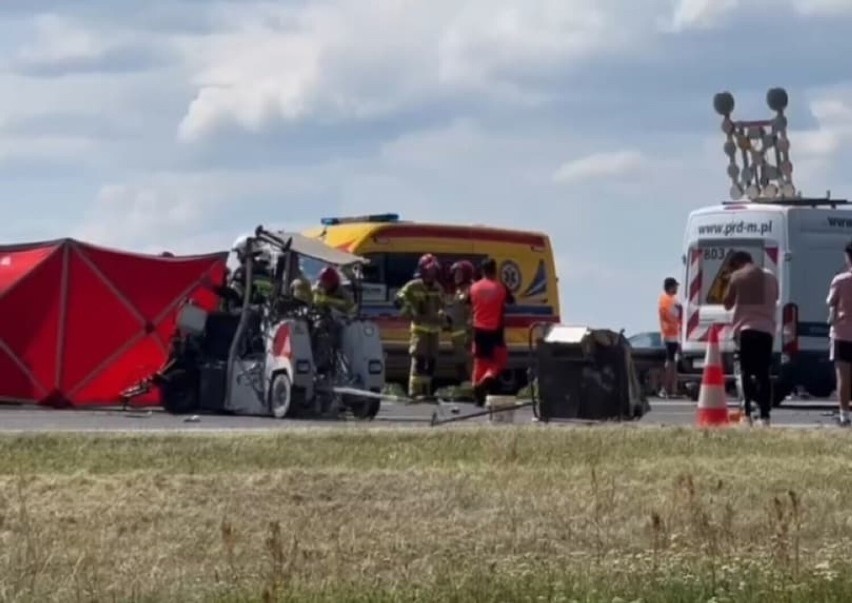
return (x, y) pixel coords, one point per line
(753, 295)
(840, 317)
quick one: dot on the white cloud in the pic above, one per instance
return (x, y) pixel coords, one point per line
(823, 7)
(62, 45)
(820, 148)
(832, 111)
(449, 111)
(181, 210)
(130, 215)
(616, 164)
(706, 14)
(353, 60)
(489, 38)
(42, 148)
(58, 39)
(699, 14)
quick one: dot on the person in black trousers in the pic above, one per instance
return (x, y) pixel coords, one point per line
(753, 295)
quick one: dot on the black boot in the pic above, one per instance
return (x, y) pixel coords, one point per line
(482, 390)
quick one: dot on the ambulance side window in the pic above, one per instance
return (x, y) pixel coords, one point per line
(399, 268)
(374, 272)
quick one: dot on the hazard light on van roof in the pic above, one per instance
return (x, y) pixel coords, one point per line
(760, 142)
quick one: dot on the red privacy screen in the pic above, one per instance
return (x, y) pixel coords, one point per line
(79, 323)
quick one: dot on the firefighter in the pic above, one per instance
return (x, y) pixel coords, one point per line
(300, 288)
(263, 284)
(329, 293)
(261, 280)
(461, 329)
(422, 300)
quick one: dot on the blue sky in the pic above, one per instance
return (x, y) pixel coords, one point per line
(179, 124)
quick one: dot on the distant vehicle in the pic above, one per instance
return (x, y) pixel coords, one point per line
(649, 358)
(650, 341)
(524, 261)
(799, 239)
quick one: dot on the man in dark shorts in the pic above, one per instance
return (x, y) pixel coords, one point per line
(670, 315)
(840, 316)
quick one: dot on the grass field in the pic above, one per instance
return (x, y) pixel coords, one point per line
(486, 514)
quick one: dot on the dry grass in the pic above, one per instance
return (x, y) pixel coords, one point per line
(486, 514)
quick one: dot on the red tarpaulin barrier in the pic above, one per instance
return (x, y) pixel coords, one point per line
(79, 323)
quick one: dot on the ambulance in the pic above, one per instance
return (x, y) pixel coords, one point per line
(802, 242)
(524, 259)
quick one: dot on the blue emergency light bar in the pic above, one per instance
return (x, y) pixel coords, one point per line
(374, 218)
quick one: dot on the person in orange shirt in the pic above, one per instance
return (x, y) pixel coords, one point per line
(670, 312)
(488, 298)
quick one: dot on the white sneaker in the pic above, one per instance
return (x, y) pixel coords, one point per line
(762, 423)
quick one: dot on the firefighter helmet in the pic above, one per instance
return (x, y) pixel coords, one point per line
(329, 278)
(463, 268)
(428, 265)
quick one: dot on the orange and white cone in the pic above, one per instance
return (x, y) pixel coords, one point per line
(712, 400)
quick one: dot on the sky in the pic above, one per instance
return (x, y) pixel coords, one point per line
(181, 124)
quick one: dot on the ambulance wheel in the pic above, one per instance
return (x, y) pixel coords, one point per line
(364, 409)
(281, 397)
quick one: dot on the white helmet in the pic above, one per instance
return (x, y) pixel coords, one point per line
(240, 244)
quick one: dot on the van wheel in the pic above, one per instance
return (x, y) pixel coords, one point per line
(509, 382)
(780, 391)
(822, 389)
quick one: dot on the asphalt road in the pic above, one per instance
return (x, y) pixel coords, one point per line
(13, 419)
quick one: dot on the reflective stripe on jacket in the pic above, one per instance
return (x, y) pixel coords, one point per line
(460, 312)
(338, 300)
(424, 304)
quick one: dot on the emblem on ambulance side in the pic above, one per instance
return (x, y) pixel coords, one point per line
(510, 274)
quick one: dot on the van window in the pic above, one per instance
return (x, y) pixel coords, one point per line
(716, 265)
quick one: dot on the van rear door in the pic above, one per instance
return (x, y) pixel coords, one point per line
(712, 239)
(716, 256)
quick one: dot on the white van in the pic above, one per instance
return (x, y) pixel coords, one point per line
(801, 241)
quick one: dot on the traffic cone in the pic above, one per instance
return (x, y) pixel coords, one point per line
(712, 408)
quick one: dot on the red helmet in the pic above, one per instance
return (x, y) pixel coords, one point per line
(428, 264)
(465, 268)
(329, 278)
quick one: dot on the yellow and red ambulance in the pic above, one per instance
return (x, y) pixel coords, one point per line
(524, 261)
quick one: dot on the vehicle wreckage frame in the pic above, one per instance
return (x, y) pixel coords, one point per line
(285, 358)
